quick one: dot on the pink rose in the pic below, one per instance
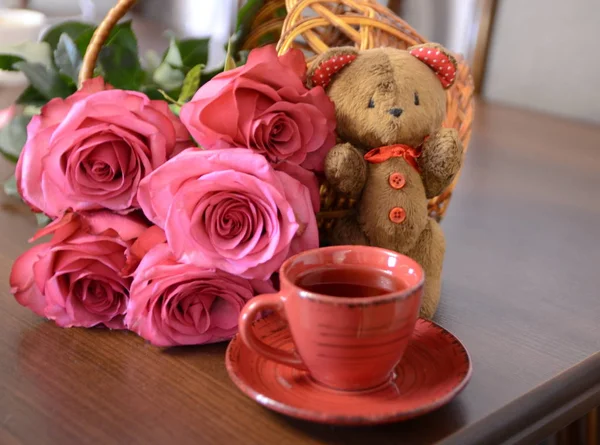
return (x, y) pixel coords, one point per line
(230, 210)
(181, 304)
(304, 177)
(75, 279)
(265, 106)
(151, 237)
(91, 150)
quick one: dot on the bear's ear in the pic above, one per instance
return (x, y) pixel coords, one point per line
(325, 66)
(438, 59)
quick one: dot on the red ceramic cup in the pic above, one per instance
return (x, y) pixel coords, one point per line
(344, 343)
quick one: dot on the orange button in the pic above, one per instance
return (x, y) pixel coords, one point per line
(397, 215)
(397, 181)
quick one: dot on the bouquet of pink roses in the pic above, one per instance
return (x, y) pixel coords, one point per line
(161, 235)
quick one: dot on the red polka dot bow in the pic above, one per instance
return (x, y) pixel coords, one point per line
(441, 63)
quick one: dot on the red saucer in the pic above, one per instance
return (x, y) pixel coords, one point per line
(434, 369)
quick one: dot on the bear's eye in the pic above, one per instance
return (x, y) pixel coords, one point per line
(416, 98)
(371, 103)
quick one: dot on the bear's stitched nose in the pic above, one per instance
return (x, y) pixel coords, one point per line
(396, 112)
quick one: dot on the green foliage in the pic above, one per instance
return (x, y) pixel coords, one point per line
(245, 17)
(10, 187)
(8, 60)
(31, 96)
(31, 110)
(151, 91)
(191, 83)
(119, 59)
(244, 20)
(52, 67)
(243, 57)
(75, 30)
(67, 57)
(193, 52)
(168, 98)
(13, 137)
(229, 61)
(169, 74)
(151, 60)
(42, 220)
(175, 108)
(83, 40)
(46, 81)
(179, 60)
(33, 52)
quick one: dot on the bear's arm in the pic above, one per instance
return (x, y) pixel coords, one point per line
(440, 161)
(346, 169)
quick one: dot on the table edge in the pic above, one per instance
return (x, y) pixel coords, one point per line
(538, 413)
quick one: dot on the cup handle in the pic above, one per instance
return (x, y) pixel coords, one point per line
(248, 316)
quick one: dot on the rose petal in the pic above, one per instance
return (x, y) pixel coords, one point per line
(22, 282)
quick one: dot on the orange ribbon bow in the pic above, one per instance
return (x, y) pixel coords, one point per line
(382, 154)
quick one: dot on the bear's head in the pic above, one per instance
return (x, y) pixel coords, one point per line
(386, 96)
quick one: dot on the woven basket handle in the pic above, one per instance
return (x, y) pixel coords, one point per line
(100, 36)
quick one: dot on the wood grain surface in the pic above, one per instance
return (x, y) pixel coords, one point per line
(521, 290)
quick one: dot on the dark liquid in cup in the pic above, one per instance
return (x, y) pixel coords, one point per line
(349, 281)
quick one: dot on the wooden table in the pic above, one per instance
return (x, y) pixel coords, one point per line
(521, 290)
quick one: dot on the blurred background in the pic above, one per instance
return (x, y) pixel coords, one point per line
(535, 54)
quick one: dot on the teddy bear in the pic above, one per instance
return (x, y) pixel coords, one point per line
(393, 154)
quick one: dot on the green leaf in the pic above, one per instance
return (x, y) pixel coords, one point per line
(10, 187)
(42, 220)
(73, 29)
(243, 57)
(191, 83)
(193, 52)
(229, 61)
(33, 52)
(168, 98)
(167, 77)
(47, 81)
(173, 55)
(84, 39)
(119, 59)
(31, 110)
(31, 96)
(151, 91)
(247, 13)
(151, 61)
(67, 57)
(121, 68)
(13, 137)
(123, 35)
(7, 61)
(244, 21)
(175, 108)
(169, 74)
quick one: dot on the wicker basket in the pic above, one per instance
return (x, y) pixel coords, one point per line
(314, 26)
